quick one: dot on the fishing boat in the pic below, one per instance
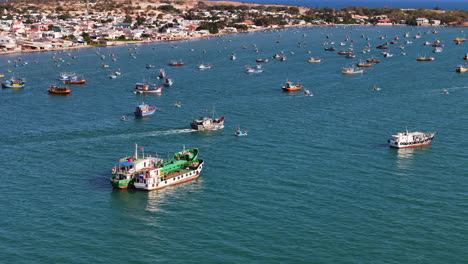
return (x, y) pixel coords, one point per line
(307, 92)
(445, 92)
(142, 88)
(149, 66)
(290, 87)
(382, 47)
(128, 168)
(261, 60)
(351, 70)
(257, 69)
(376, 88)
(314, 60)
(411, 139)
(461, 68)
(2, 75)
(184, 166)
(343, 52)
(178, 104)
(283, 58)
(143, 110)
(330, 49)
(373, 61)
(168, 82)
(59, 90)
(363, 64)
(233, 57)
(14, 83)
(388, 55)
(112, 75)
(437, 50)
(204, 66)
(176, 63)
(423, 58)
(105, 65)
(466, 56)
(162, 74)
(240, 133)
(208, 123)
(75, 80)
(66, 75)
(350, 56)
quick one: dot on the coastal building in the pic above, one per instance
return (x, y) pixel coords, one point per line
(422, 21)
(435, 22)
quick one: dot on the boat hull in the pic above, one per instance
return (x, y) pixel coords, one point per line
(75, 82)
(393, 145)
(185, 176)
(122, 184)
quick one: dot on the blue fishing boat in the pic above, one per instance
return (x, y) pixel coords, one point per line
(15, 83)
(168, 82)
(143, 110)
(240, 133)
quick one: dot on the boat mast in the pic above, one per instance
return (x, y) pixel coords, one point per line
(136, 151)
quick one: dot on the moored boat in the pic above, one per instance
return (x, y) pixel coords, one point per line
(373, 61)
(423, 58)
(411, 139)
(461, 68)
(240, 133)
(75, 80)
(182, 167)
(204, 66)
(143, 110)
(290, 87)
(128, 169)
(144, 88)
(363, 64)
(59, 90)
(176, 63)
(14, 83)
(351, 70)
(314, 60)
(208, 123)
(168, 82)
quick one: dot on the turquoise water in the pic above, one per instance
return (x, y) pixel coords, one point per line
(314, 182)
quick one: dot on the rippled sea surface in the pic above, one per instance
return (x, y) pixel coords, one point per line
(314, 182)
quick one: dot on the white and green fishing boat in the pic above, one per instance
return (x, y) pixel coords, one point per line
(129, 168)
(182, 167)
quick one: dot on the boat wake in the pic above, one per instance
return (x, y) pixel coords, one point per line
(171, 131)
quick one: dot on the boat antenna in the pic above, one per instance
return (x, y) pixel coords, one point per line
(183, 147)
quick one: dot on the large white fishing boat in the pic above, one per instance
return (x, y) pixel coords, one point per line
(208, 123)
(182, 167)
(411, 139)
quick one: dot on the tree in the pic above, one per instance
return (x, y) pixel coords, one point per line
(128, 19)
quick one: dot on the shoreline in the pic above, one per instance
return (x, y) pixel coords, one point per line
(133, 42)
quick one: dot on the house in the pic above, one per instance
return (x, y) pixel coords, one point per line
(435, 22)
(422, 21)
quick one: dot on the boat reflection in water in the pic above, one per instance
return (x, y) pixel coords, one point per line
(405, 156)
(178, 194)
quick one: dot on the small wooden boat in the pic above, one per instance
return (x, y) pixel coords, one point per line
(342, 52)
(149, 66)
(204, 66)
(307, 92)
(423, 58)
(13, 83)
(59, 90)
(351, 70)
(461, 68)
(146, 89)
(290, 87)
(373, 61)
(176, 63)
(382, 47)
(362, 64)
(240, 133)
(466, 57)
(168, 82)
(314, 60)
(75, 80)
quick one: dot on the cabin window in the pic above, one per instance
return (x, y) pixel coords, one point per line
(165, 182)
